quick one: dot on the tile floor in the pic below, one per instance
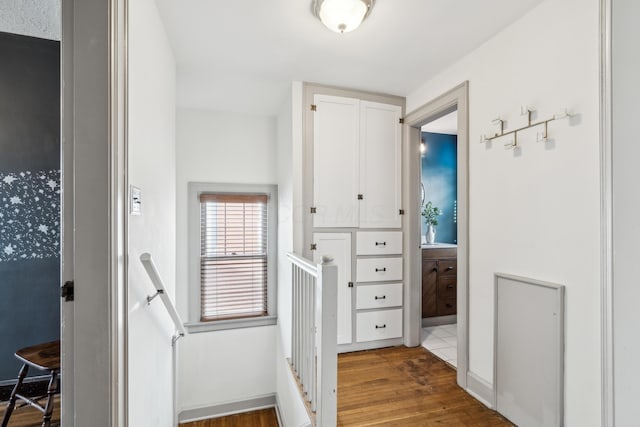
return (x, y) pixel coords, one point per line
(442, 341)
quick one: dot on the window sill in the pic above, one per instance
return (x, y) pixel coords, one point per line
(222, 325)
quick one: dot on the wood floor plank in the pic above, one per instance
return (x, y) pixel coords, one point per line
(400, 386)
(261, 418)
(31, 417)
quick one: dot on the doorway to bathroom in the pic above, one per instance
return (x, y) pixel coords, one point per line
(439, 235)
(437, 261)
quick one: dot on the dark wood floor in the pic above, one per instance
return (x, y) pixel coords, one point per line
(395, 386)
(400, 386)
(30, 417)
(261, 418)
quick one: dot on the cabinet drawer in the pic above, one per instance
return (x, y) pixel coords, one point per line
(447, 267)
(446, 306)
(379, 296)
(379, 243)
(378, 269)
(379, 325)
(447, 287)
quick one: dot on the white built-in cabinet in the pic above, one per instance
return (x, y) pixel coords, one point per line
(380, 165)
(338, 246)
(356, 163)
(357, 214)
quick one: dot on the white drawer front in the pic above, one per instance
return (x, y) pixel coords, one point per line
(378, 269)
(379, 325)
(379, 296)
(379, 243)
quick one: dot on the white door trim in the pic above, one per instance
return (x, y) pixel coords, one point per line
(457, 97)
(66, 179)
(94, 255)
(606, 217)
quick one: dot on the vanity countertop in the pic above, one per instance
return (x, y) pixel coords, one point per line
(438, 246)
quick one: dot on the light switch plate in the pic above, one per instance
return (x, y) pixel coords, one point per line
(136, 201)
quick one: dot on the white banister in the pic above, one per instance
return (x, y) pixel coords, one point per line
(314, 335)
(152, 271)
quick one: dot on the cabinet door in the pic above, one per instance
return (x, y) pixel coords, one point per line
(380, 165)
(338, 246)
(335, 161)
(429, 288)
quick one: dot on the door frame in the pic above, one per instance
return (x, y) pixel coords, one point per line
(606, 217)
(456, 98)
(94, 326)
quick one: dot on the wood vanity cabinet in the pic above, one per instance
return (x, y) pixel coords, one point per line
(439, 281)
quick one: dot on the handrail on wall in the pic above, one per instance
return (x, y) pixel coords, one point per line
(152, 271)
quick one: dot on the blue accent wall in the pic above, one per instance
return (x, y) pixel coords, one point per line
(29, 196)
(440, 180)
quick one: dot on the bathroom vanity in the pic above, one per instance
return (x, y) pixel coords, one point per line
(439, 280)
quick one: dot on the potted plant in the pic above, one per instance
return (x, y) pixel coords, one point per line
(430, 214)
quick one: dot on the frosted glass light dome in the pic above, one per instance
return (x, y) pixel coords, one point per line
(342, 16)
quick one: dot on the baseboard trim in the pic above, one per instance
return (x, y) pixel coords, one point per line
(439, 320)
(33, 379)
(480, 389)
(281, 422)
(229, 408)
(369, 345)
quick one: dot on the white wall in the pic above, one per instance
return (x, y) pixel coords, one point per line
(152, 169)
(35, 18)
(226, 366)
(212, 146)
(626, 199)
(290, 225)
(535, 212)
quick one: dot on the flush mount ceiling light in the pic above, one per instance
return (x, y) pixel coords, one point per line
(342, 16)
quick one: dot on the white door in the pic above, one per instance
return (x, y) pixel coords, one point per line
(380, 165)
(335, 161)
(338, 246)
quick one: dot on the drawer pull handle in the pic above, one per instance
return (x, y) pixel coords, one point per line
(449, 286)
(435, 269)
(449, 306)
(449, 268)
(382, 297)
(381, 269)
(381, 327)
(381, 243)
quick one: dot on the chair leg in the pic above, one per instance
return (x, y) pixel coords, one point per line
(51, 391)
(12, 399)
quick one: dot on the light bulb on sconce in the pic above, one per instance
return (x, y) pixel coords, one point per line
(423, 147)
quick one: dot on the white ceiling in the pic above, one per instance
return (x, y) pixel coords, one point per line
(242, 55)
(35, 18)
(447, 124)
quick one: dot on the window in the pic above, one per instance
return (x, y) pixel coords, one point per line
(234, 269)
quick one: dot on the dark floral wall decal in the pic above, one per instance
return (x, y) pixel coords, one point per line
(29, 215)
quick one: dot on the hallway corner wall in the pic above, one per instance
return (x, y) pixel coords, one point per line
(151, 168)
(535, 211)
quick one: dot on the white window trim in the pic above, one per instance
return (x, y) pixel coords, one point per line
(194, 325)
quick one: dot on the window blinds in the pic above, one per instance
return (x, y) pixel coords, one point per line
(233, 256)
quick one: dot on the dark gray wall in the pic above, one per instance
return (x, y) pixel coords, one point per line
(29, 195)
